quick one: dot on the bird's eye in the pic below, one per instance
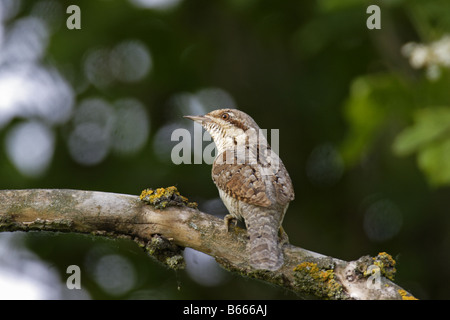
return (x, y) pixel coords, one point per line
(225, 116)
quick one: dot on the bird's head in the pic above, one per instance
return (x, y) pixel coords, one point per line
(227, 127)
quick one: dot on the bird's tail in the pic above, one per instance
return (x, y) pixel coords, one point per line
(264, 247)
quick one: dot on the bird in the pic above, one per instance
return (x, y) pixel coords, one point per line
(252, 181)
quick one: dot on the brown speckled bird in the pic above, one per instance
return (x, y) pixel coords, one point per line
(252, 182)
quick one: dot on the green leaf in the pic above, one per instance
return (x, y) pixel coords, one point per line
(430, 124)
(435, 162)
(429, 137)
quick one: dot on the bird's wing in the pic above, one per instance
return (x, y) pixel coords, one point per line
(248, 182)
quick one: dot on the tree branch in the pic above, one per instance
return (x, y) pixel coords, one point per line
(164, 232)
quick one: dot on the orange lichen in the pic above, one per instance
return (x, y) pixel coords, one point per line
(161, 198)
(317, 280)
(386, 264)
(405, 295)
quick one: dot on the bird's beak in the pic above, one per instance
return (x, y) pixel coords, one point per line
(199, 119)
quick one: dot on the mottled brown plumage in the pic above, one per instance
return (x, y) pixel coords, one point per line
(252, 182)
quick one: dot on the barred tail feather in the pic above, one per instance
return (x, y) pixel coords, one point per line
(264, 247)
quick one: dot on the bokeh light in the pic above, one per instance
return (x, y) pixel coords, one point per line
(115, 274)
(156, 4)
(90, 138)
(128, 61)
(8, 9)
(30, 147)
(203, 269)
(99, 127)
(25, 40)
(97, 67)
(25, 276)
(28, 90)
(382, 220)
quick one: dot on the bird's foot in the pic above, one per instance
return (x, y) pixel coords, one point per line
(228, 220)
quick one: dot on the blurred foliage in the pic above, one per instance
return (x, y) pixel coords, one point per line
(363, 116)
(429, 138)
